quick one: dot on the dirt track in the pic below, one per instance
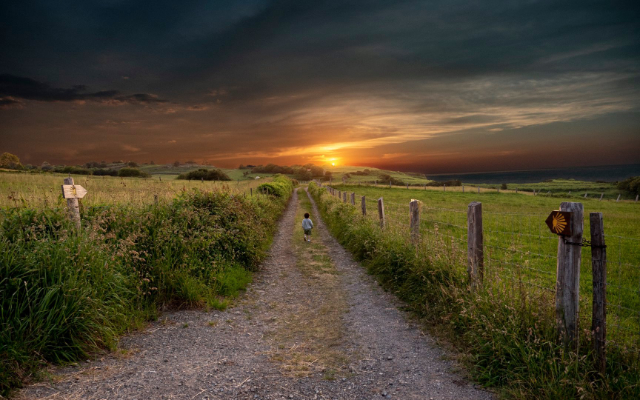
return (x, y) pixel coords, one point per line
(312, 325)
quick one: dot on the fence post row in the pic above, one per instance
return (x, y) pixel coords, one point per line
(568, 276)
(599, 269)
(414, 211)
(475, 245)
(364, 206)
(381, 211)
(73, 206)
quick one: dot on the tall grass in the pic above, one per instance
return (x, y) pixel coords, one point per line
(67, 294)
(506, 330)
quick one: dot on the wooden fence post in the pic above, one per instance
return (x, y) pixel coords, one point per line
(73, 206)
(568, 276)
(251, 189)
(478, 189)
(599, 268)
(638, 195)
(601, 196)
(516, 190)
(585, 195)
(344, 197)
(381, 211)
(353, 199)
(414, 211)
(364, 206)
(618, 199)
(475, 245)
(444, 188)
(407, 186)
(462, 188)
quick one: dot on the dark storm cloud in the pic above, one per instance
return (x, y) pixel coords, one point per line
(282, 76)
(16, 87)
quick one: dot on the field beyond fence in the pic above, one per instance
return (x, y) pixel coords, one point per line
(520, 261)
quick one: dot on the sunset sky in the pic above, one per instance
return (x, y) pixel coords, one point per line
(431, 86)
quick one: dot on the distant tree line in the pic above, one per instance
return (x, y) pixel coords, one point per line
(102, 168)
(300, 172)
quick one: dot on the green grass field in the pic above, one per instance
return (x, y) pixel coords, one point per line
(520, 249)
(43, 190)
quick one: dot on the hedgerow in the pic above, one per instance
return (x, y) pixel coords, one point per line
(66, 294)
(505, 335)
(280, 186)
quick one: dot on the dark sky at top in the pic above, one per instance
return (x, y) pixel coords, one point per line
(437, 86)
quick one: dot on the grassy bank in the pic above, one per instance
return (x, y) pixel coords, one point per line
(505, 330)
(66, 294)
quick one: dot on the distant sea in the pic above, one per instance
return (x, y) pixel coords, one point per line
(607, 173)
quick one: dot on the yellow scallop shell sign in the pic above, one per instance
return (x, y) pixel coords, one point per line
(559, 222)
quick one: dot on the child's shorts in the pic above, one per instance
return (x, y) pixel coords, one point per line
(307, 231)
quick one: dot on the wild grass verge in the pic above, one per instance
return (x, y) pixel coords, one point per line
(66, 294)
(505, 333)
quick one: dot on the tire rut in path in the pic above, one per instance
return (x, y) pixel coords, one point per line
(243, 352)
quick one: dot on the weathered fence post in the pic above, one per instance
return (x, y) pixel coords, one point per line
(601, 196)
(568, 276)
(585, 195)
(516, 190)
(251, 190)
(407, 186)
(73, 205)
(344, 197)
(444, 188)
(462, 188)
(475, 246)
(364, 206)
(353, 199)
(414, 211)
(638, 195)
(478, 189)
(599, 269)
(618, 199)
(381, 211)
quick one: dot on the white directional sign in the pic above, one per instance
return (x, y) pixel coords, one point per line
(73, 191)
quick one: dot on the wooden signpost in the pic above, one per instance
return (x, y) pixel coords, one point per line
(72, 193)
(568, 225)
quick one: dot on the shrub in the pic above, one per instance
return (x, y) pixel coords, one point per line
(630, 185)
(205, 174)
(102, 172)
(132, 172)
(280, 186)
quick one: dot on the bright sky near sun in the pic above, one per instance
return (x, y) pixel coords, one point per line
(438, 86)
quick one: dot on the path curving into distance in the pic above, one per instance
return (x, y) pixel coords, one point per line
(312, 325)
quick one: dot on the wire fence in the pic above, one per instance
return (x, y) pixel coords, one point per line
(521, 252)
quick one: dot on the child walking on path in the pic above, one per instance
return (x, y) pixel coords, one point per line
(307, 225)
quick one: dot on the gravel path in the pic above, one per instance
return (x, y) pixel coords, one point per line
(303, 330)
